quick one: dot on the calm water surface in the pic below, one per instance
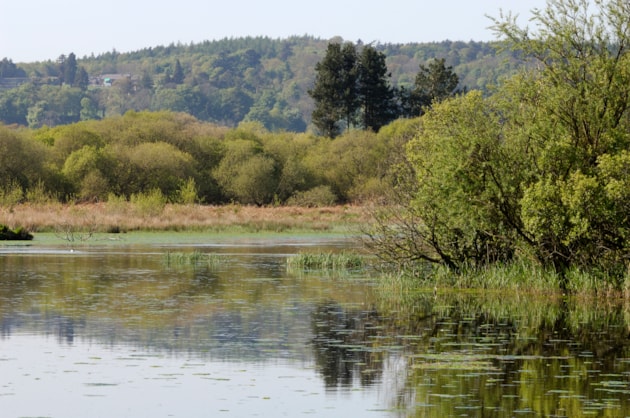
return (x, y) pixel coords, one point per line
(122, 330)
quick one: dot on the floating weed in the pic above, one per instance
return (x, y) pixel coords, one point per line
(326, 261)
(454, 361)
(195, 258)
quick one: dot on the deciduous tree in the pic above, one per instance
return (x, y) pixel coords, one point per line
(538, 169)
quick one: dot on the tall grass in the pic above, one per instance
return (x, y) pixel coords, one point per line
(596, 282)
(518, 276)
(195, 258)
(125, 216)
(326, 261)
(149, 204)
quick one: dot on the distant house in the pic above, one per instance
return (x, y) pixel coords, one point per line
(107, 80)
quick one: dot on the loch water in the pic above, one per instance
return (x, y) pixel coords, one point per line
(126, 330)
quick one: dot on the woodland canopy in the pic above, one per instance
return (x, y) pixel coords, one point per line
(224, 82)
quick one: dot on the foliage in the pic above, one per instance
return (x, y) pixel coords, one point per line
(246, 174)
(22, 161)
(11, 194)
(538, 170)
(193, 161)
(318, 196)
(223, 81)
(19, 234)
(150, 203)
(376, 96)
(352, 85)
(434, 83)
(335, 89)
(187, 193)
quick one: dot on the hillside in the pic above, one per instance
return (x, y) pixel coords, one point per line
(225, 81)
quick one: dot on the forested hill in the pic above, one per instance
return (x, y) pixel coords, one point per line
(225, 81)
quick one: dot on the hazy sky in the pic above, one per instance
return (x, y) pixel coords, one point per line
(34, 30)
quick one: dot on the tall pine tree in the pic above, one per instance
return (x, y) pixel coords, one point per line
(434, 83)
(335, 89)
(375, 93)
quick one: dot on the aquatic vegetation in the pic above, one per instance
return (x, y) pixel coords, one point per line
(195, 258)
(454, 361)
(326, 261)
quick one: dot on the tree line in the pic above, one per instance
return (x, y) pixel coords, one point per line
(225, 82)
(190, 161)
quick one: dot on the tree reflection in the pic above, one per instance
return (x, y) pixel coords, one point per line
(341, 345)
(491, 355)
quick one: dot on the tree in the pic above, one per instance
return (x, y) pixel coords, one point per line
(89, 110)
(246, 174)
(178, 73)
(335, 89)
(81, 79)
(434, 83)
(375, 94)
(539, 169)
(576, 109)
(69, 69)
(9, 69)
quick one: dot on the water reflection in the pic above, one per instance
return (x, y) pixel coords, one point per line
(342, 347)
(388, 352)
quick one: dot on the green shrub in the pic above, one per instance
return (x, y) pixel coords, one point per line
(19, 234)
(188, 193)
(150, 203)
(117, 204)
(11, 195)
(314, 198)
(38, 194)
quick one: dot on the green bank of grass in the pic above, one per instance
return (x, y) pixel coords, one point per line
(175, 238)
(515, 277)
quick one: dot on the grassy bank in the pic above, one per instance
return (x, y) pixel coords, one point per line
(518, 277)
(123, 217)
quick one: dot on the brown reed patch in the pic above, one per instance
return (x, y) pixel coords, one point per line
(104, 217)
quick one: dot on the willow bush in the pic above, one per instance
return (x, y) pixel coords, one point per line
(538, 170)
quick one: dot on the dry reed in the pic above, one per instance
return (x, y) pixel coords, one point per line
(103, 217)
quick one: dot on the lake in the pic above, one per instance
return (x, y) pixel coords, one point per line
(122, 326)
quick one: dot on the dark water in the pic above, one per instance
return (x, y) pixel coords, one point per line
(117, 330)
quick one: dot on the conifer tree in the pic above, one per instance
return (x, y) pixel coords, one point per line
(335, 89)
(69, 69)
(434, 83)
(375, 94)
(178, 74)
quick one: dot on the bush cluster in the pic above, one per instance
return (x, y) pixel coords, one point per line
(159, 157)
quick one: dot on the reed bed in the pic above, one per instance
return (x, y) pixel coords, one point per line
(195, 258)
(517, 277)
(125, 216)
(326, 261)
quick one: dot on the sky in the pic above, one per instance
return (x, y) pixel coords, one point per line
(40, 30)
